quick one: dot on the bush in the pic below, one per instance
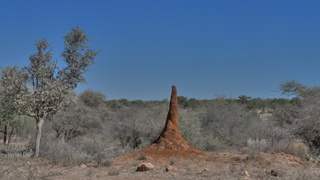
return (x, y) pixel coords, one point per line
(137, 127)
(60, 152)
(298, 149)
(94, 144)
(227, 123)
(91, 98)
(255, 144)
(190, 125)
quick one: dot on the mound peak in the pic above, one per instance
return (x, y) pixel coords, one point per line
(171, 138)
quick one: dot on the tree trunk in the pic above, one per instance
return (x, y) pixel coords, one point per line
(10, 137)
(40, 121)
(5, 133)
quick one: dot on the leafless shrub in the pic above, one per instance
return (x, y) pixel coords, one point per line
(94, 143)
(138, 127)
(226, 123)
(61, 152)
(190, 125)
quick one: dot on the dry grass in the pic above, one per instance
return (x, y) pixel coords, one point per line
(201, 166)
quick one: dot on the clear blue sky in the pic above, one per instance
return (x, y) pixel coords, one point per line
(204, 47)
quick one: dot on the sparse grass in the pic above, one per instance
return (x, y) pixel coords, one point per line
(113, 172)
(254, 156)
(15, 152)
(18, 156)
(142, 157)
(51, 174)
(304, 173)
(172, 160)
(210, 159)
(99, 158)
(107, 163)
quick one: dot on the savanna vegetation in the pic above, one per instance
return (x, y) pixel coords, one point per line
(90, 127)
(40, 111)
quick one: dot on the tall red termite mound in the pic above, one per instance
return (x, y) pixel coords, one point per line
(171, 138)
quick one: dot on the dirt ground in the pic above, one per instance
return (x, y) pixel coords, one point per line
(193, 165)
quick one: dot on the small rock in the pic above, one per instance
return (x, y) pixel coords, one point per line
(145, 167)
(274, 173)
(310, 159)
(246, 173)
(83, 166)
(170, 168)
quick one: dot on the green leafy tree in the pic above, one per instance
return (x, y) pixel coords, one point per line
(50, 88)
(292, 88)
(183, 101)
(243, 99)
(92, 98)
(13, 84)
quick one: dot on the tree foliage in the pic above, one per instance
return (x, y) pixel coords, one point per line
(12, 85)
(50, 87)
(78, 57)
(92, 99)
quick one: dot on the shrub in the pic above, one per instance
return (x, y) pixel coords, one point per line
(137, 127)
(60, 152)
(94, 144)
(255, 144)
(298, 149)
(113, 172)
(190, 125)
(227, 123)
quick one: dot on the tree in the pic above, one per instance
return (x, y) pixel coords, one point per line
(243, 99)
(50, 88)
(182, 101)
(292, 88)
(92, 99)
(13, 84)
(78, 57)
(301, 117)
